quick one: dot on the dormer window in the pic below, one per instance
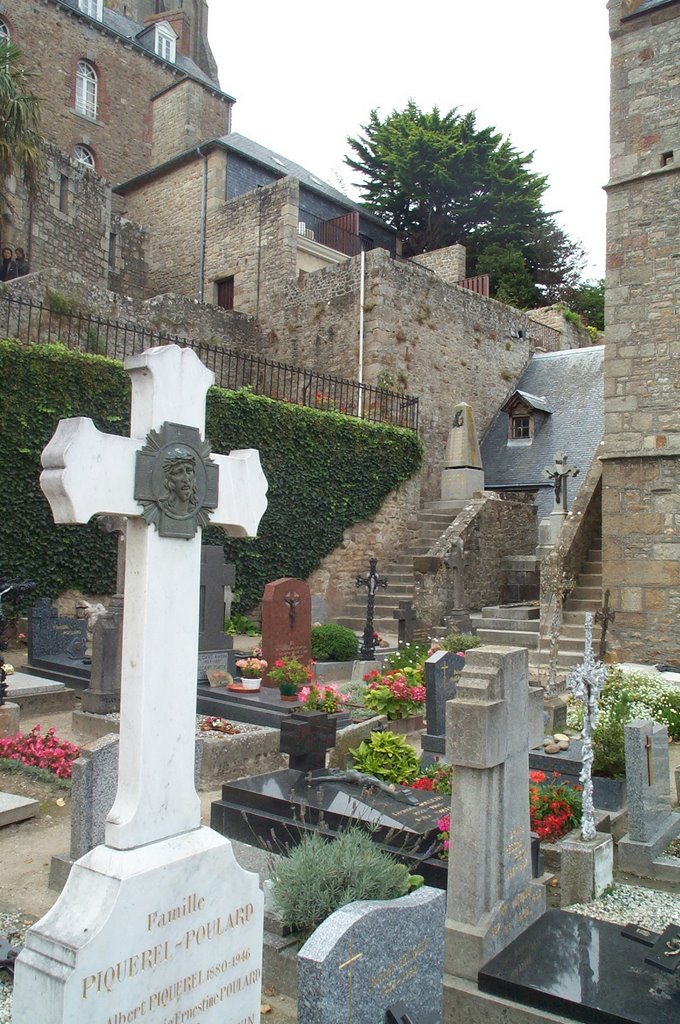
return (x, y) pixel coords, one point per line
(165, 41)
(525, 414)
(93, 8)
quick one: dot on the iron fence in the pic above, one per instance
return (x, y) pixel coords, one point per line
(37, 323)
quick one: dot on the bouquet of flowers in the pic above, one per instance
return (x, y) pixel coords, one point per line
(251, 668)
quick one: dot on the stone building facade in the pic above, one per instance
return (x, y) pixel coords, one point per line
(641, 457)
(106, 94)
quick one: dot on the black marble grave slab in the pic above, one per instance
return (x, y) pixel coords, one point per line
(274, 810)
(586, 970)
(263, 707)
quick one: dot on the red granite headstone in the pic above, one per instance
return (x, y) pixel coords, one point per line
(286, 622)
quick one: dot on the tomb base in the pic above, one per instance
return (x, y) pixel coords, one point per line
(469, 946)
(461, 483)
(586, 869)
(9, 719)
(171, 930)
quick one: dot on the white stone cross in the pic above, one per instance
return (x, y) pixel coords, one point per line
(87, 472)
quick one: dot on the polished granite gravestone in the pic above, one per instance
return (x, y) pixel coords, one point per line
(215, 647)
(371, 953)
(652, 823)
(286, 623)
(57, 646)
(441, 672)
(273, 811)
(586, 970)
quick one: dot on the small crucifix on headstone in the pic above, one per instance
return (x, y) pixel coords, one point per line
(585, 682)
(371, 582)
(292, 599)
(407, 622)
(305, 737)
(559, 476)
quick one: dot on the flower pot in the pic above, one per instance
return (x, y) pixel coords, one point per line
(403, 725)
(250, 684)
(288, 696)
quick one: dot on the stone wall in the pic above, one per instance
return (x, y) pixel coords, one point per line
(573, 336)
(175, 315)
(392, 529)
(67, 224)
(438, 341)
(641, 457)
(184, 115)
(128, 269)
(464, 568)
(254, 238)
(53, 38)
(448, 263)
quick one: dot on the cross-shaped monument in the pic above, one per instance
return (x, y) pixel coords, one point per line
(163, 899)
(372, 581)
(585, 682)
(559, 474)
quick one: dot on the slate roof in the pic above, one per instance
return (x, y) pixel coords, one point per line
(123, 26)
(572, 385)
(282, 166)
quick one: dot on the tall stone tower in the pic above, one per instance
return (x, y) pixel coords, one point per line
(189, 19)
(641, 450)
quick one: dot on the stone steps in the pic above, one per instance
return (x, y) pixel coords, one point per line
(509, 638)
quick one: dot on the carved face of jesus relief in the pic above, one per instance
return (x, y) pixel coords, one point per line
(176, 481)
(179, 471)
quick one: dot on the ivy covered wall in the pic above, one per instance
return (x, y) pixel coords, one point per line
(325, 472)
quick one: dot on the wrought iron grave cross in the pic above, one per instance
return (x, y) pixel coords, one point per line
(371, 582)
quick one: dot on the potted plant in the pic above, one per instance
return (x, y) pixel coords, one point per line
(321, 697)
(397, 694)
(251, 669)
(289, 675)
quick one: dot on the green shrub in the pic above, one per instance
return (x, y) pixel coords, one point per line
(242, 625)
(319, 876)
(334, 643)
(386, 756)
(624, 698)
(460, 642)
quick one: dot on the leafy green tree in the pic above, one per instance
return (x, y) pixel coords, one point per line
(588, 300)
(21, 142)
(439, 179)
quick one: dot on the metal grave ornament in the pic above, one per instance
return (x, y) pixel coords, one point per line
(176, 481)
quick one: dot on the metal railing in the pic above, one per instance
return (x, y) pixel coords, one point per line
(331, 234)
(38, 323)
(547, 338)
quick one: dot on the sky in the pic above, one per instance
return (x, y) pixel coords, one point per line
(306, 75)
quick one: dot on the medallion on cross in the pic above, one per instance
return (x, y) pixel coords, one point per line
(176, 481)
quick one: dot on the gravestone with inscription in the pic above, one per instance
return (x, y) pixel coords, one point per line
(286, 622)
(463, 473)
(215, 647)
(57, 645)
(370, 954)
(492, 722)
(652, 824)
(442, 670)
(159, 922)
